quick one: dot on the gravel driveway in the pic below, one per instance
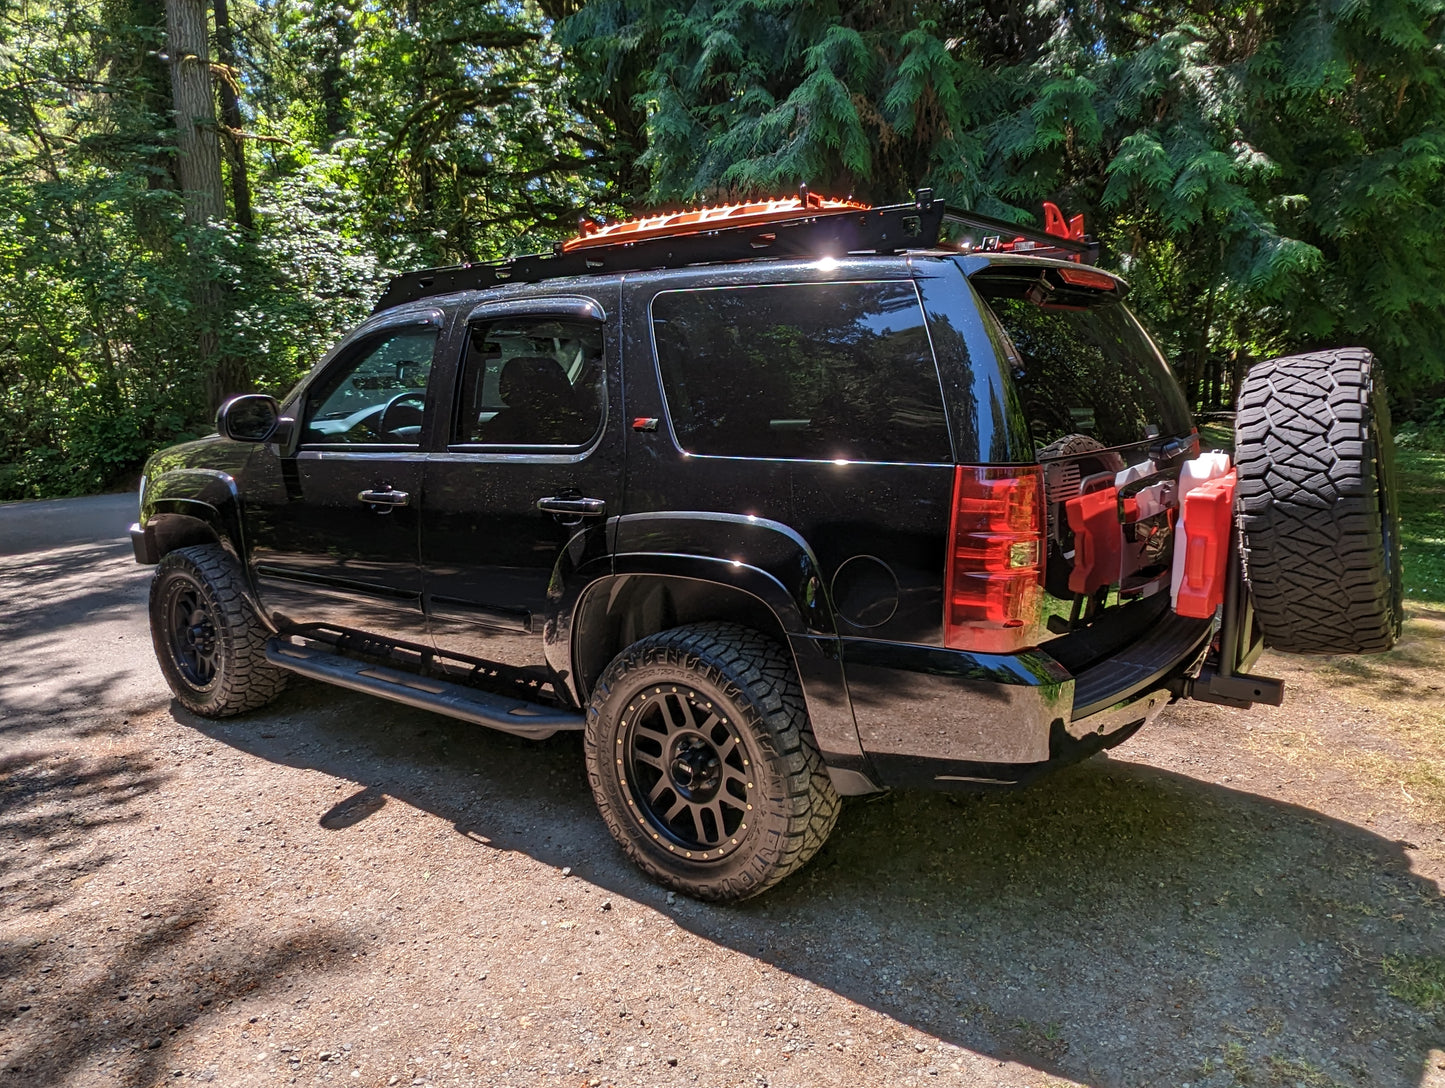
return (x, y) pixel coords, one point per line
(339, 889)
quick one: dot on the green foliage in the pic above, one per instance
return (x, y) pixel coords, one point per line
(1422, 521)
(1419, 980)
(1269, 177)
(371, 144)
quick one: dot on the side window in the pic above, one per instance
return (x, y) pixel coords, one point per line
(813, 371)
(379, 396)
(531, 381)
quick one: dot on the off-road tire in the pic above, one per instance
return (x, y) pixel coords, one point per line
(1316, 503)
(240, 677)
(747, 681)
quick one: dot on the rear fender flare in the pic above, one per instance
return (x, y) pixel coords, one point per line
(762, 557)
(756, 571)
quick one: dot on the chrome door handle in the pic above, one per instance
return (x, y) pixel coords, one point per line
(384, 498)
(576, 507)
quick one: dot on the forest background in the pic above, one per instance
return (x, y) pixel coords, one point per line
(196, 199)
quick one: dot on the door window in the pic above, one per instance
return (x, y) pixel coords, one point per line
(811, 371)
(378, 397)
(531, 381)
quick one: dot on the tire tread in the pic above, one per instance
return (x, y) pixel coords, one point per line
(1308, 435)
(731, 654)
(246, 680)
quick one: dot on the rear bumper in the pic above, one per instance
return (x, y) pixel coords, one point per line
(1168, 649)
(941, 718)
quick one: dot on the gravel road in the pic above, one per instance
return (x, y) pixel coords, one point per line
(339, 889)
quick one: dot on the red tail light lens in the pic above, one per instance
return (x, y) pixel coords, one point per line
(993, 597)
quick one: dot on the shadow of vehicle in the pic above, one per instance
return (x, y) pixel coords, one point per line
(1116, 924)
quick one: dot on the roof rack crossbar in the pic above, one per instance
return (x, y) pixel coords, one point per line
(832, 232)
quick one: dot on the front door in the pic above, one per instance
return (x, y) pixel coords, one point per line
(518, 506)
(334, 531)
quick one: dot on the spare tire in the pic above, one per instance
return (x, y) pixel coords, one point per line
(1316, 502)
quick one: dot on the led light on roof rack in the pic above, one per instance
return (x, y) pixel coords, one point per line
(698, 220)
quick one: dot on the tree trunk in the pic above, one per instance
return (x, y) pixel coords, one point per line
(198, 154)
(231, 120)
(198, 166)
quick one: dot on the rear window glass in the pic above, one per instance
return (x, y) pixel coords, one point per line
(823, 371)
(1086, 370)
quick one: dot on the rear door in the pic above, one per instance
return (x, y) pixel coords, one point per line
(517, 506)
(1103, 411)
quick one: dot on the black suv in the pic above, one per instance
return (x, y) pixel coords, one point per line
(775, 504)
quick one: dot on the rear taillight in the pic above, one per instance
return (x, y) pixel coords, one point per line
(993, 597)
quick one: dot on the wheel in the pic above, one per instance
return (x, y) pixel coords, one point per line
(702, 762)
(210, 644)
(1316, 503)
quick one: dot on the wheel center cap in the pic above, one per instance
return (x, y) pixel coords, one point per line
(695, 769)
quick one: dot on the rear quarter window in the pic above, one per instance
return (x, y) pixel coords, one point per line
(835, 371)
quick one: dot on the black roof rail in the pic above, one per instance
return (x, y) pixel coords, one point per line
(825, 232)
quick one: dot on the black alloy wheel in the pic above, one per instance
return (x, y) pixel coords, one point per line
(702, 762)
(688, 771)
(192, 631)
(209, 642)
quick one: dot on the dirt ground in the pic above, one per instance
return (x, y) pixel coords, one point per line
(342, 890)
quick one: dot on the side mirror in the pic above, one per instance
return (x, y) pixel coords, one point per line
(249, 418)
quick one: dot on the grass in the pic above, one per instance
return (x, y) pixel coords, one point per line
(1405, 688)
(1422, 522)
(1419, 980)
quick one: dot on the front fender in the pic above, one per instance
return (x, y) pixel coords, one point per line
(207, 495)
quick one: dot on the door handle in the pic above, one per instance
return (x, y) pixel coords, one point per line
(384, 498)
(575, 507)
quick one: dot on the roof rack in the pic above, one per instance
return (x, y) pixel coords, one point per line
(805, 226)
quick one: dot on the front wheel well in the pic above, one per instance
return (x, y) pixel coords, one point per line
(172, 531)
(624, 609)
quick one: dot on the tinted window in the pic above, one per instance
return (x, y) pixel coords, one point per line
(1086, 370)
(821, 371)
(531, 381)
(378, 396)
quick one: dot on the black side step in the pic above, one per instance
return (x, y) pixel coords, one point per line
(516, 716)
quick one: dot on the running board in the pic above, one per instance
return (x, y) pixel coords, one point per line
(515, 716)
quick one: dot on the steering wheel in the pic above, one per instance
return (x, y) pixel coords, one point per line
(403, 410)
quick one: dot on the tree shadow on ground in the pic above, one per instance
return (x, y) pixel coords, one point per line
(69, 613)
(49, 592)
(50, 805)
(160, 978)
(1115, 924)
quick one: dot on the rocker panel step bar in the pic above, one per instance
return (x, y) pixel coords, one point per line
(515, 716)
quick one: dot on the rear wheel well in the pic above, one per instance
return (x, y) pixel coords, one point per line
(627, 608)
